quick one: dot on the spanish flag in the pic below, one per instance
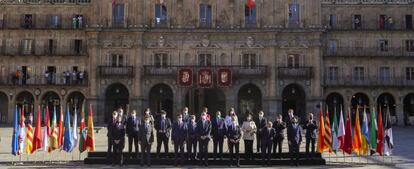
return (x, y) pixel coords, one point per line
(29, 136)
(321, 133)
(90, 139)
(356, 142)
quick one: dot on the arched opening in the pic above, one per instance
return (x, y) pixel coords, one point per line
(294, 97)
(4, 104)
(52, 100)
(26, 100)
(161, 98)
(249, 100)
(408, 109)
(386, 102)
(116, 96)
(75, 101)
(360, 101)
(335, 103)
(213, 98)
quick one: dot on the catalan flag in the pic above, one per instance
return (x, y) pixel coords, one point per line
(29, 135)
(328, 136)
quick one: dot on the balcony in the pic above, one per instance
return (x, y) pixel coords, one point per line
(21, 50)
(238, 71)
(41, 80)
(160, 23)
(295, 73)
(250, 23)
(367, 81)
(113, 71)
(205, 23)
(367, 52)
(367, 1)
(75, 2)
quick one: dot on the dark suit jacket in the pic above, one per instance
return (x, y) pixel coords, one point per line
(234, 133)
(266, 136)
(118, 131)
(260, 124)
(204, 130)
(295, 134)
(179, 132)
(219, 128)
(280, 129)
(311, 129)
(192, 131)
(132, 126)
(147, 133)
(110, 126)
(167, 126)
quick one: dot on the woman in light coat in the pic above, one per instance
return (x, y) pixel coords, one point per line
(249, 130)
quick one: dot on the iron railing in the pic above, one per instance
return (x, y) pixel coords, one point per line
(368, 52)
(121, 71)
(367, 81)
(240, 71)
(295, 72)
(54, 79)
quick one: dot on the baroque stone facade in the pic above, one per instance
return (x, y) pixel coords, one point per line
(283, 54)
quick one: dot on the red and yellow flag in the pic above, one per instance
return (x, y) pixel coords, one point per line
(356, 142)
(53, 141)
(90, 139)
(60, 128)
(321, 133)
(328, 135)
(29, 136)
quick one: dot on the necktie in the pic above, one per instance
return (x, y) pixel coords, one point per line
(162, 124)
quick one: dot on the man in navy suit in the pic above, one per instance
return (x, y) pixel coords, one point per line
(110, 126)
(233, 136)
(118, 140)
(163, 127)
(147, 138)
(218, 131)
(204, 130)
(179, 134)
(295, 138)
(261, 124)
(311, 127)
(132, 127)
(192, 137)
(268, 134)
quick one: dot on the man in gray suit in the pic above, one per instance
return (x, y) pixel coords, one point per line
(147, 138)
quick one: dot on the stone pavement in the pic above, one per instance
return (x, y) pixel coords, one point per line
(403, 155)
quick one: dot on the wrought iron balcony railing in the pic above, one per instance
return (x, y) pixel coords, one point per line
(239, 71)
(295, 72)
(367, 81)
(113, 71)
(28, 79)
(368, 52)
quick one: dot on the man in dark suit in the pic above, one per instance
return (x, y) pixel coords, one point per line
(110, 126)
(163, 127)
(192, 138)
(233, 137)
(311, 127)
(279, 127)
(289, 120)
(218, 131)
(268, 134)
(132, 126)
(186, 115)
(147, 138)
(260, 123)
(203, 130)
(118, 140)
(295, 138)
(179, 134)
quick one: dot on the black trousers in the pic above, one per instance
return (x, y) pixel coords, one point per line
(258, 142)
(133, 139)
(110, 147)
(203, 151)
(218, 143)
(162, 139)
(308, 142)
(179, 150)
(294, 153)
(191, 148)
(234, 152)
(145, 153)
(118, 148)
(277, 145)
(248, 149)
(266, 152)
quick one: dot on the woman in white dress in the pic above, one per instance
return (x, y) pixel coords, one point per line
(249, 130)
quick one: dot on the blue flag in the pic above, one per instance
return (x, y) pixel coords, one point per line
(67, 142)
(16, 128)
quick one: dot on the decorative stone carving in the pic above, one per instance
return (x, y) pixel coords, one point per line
(250, 41)
(120, 41)
(161, 43)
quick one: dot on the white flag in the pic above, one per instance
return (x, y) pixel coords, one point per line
(75, 130)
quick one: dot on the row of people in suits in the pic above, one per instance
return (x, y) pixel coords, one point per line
(187, 130)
